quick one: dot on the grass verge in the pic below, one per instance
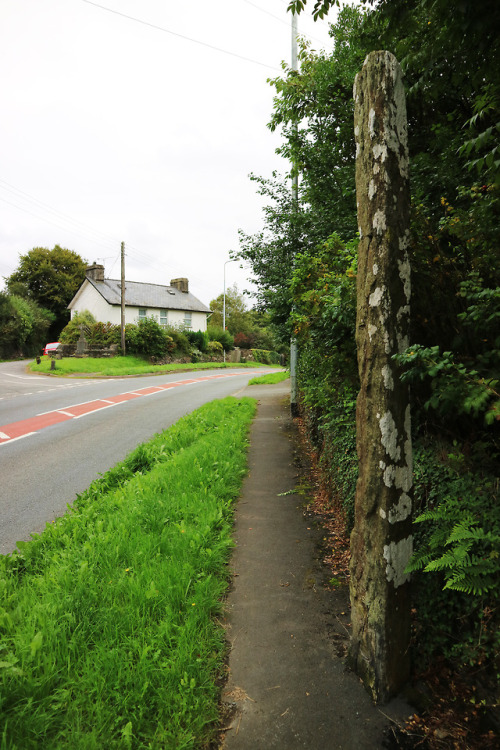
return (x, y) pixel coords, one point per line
(272, 377)
(108, 636)
(120, 366)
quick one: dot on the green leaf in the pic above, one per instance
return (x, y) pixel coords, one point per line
(36, 643)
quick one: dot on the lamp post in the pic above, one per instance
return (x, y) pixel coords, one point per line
(224, 300)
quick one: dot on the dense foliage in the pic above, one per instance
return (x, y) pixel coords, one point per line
(23, 326)
(250, 328)
(305, 262)
(50, 278)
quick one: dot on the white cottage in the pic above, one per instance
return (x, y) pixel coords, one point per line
(172, 305)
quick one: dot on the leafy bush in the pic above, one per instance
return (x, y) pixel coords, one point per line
(23, 326)
(462, 516)
(71, 332)
(266, 357)
(147, 339)
(198, 339)
(215, 348)
(222, 336)
(244, 340)
(181, 346)
(102, 335)
(456, 564)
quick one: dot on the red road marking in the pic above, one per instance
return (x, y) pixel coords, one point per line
(17, 430)
(123, 397)
(27, 426)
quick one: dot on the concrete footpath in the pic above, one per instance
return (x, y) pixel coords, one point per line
(288, 686)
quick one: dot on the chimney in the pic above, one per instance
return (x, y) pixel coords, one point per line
(95, 272)
(181, 284)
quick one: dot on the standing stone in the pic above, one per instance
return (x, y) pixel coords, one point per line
(381, 542)
(81, 344)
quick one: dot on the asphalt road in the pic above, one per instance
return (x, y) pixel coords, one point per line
(43, 472)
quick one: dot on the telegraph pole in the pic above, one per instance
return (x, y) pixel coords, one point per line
(294, 409)
(122, 321)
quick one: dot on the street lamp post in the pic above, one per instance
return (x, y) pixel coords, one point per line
(224, 300)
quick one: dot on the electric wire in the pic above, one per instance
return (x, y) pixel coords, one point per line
(20, 195)
(180, 36)
(282, 20)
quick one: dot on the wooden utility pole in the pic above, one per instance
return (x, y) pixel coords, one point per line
(381, 542)
(122, 319)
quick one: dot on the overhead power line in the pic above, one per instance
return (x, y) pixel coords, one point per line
(180, 36)
(282, 20)
(30, 204)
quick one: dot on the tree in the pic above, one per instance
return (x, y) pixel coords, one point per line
(320, 9)
(313, 109)
(237, 318)
(23, 326)
(50, 278)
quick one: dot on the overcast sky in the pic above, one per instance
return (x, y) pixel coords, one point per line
(114, 129)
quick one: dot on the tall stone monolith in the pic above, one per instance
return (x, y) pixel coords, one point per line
(381, 542)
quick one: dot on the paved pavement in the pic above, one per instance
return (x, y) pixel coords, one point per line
(288, 686)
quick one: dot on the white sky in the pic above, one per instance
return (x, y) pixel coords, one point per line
(112, 130)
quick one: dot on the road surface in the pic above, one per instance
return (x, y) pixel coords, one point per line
(58, 435)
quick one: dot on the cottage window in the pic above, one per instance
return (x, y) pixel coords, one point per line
(142, 313)
(163, 318)
(188, 319)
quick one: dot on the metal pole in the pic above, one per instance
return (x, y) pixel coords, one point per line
(224, 307)
(294, 409)
(122, 319)
(235, 260)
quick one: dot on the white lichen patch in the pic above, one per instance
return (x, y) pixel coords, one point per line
(380, 152)
(372, 189)
(371, 123)
(397, 556)
(386, 338)
(402, 510)
(375, 297)
(400, 477)
(375, 269)
(372, 330)
(380, 221)
(389, 436)
(404, 275)
(382, 514)
(404, 241)
(387, 376)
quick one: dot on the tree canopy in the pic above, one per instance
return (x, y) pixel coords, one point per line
(50, 278)
(236, 313)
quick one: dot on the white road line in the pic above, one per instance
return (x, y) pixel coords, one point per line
(3, 436)
(13, 440)
(22, 377)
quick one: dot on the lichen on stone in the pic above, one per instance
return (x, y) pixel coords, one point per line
(397, 556)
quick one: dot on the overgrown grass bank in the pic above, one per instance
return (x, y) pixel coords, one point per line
(270, 379)
(107, 619)
(120, 366)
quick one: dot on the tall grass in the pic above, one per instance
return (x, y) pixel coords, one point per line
(107, 619)
(129, 365)
(270, 378)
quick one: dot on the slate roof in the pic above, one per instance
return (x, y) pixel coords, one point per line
(138, 294)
